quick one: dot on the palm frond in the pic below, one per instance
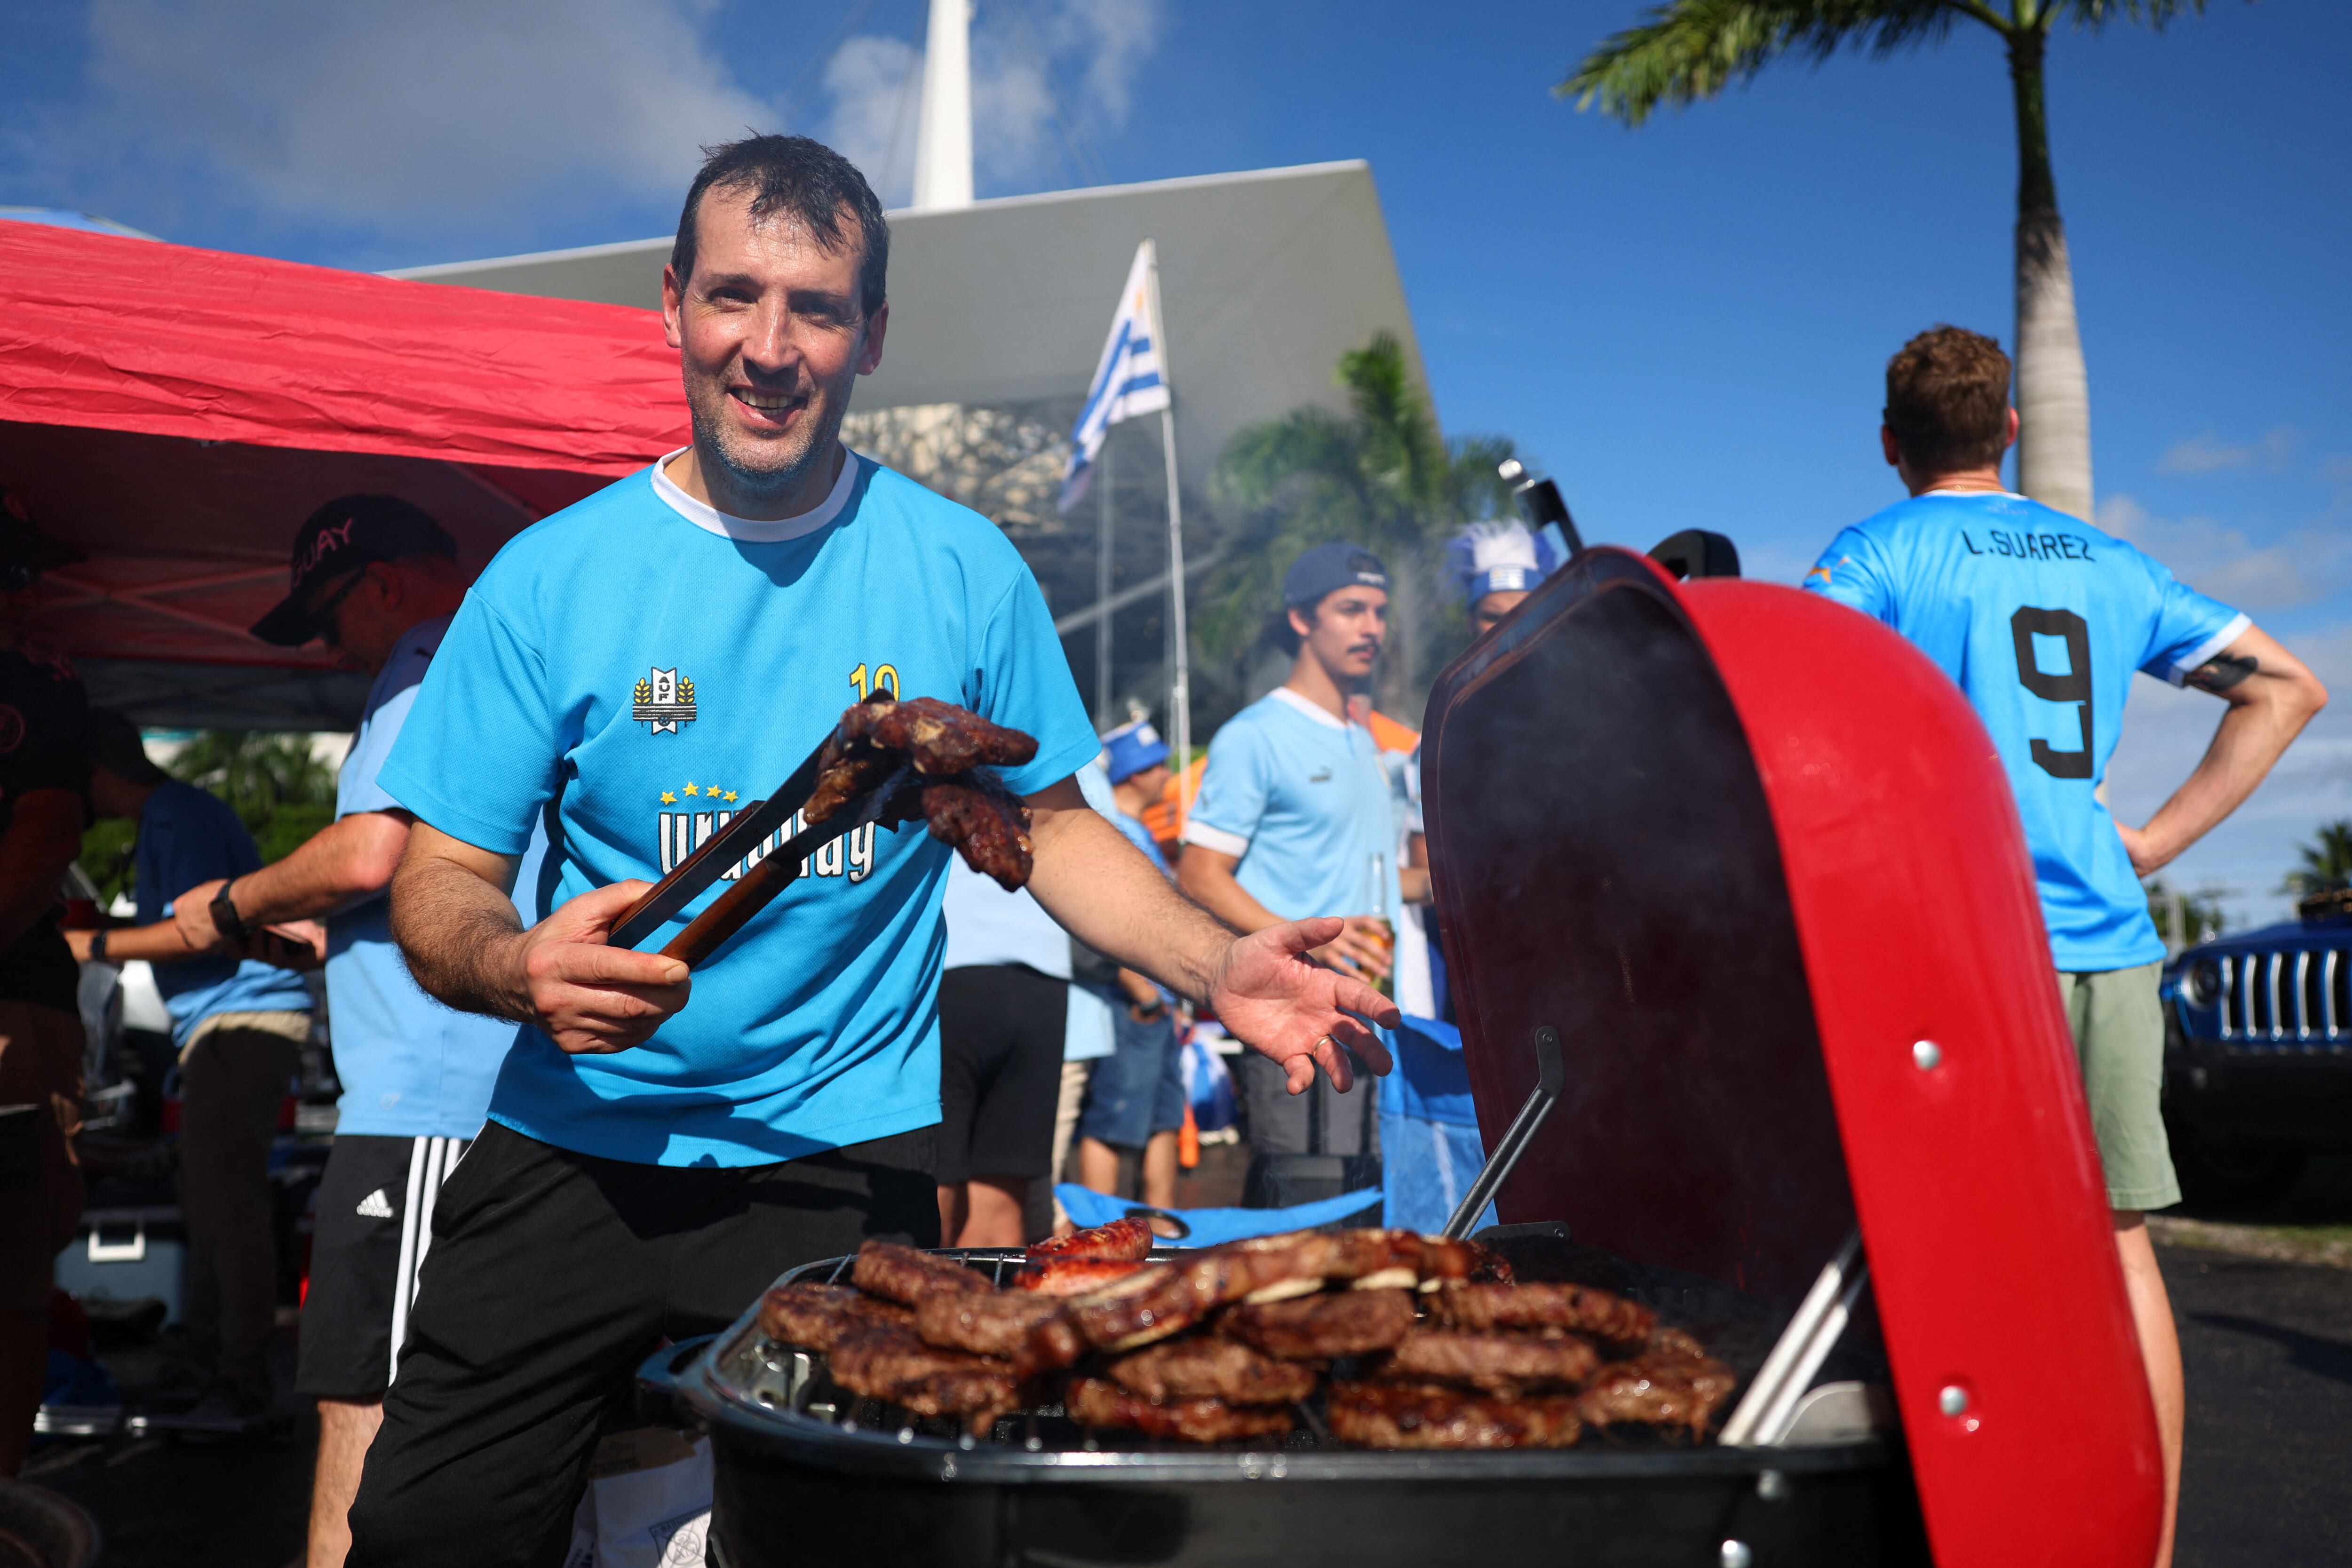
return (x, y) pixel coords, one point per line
(1686, 50)
(2096, 13)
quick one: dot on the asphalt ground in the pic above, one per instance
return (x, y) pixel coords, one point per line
(2268, 1482)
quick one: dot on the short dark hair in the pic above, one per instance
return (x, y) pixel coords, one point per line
(1947, 400)
(807, 182)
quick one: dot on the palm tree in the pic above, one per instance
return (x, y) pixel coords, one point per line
(2326, 865)
(1380, 475)
(1689, 49)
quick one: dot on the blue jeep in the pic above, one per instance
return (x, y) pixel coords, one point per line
(2258, 1053)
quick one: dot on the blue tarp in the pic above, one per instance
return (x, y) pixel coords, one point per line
(1209, 1226)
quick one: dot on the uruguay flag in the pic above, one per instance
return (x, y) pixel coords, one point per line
(1127, 381)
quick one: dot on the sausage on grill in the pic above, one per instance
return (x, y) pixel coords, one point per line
(1657, 1391)
(1499, 1363)
(906, 1275)
(1032, 1332)
(1210, 1367)
(814, 1316)
(1125, 1240)
(1581, 1308)
(1323, 1326)
(889, 1362)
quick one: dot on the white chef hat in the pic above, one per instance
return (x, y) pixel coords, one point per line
(1500, 557)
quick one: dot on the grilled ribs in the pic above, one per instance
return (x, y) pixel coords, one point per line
(987, 823)
(1072, 1275)
(906, 1275)
(938, 739)
(1323, 1326)
(1160, 1303)
(1657, 1391)
(1579, 1308)
(890, 1362)
(1499, 1362)
(1032, 1332)
(1421, 1416)
(1125, 1240)
(1210, 1367)
(1096, 1401)
(814, 1316)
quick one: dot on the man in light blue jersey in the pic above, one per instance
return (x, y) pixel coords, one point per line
(1297, 817)
(238, 1024)
(631, 671)
(2041, 619)
(377, 581)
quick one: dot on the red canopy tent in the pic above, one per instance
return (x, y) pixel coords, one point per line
(175, 414)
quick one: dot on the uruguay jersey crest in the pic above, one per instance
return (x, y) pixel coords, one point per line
(664, 701)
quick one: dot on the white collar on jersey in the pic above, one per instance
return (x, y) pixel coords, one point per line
(2005, 495)
(751, 530)
(1321, 716)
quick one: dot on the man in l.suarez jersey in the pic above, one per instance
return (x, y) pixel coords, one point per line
(2041, 619)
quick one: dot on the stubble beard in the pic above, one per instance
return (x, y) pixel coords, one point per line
(765, 470)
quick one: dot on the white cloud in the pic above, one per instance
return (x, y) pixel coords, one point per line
(2300, 565)
(424, 116)
(2209, 454)
(1048, 78)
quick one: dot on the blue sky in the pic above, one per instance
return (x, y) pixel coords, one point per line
(1686, 324)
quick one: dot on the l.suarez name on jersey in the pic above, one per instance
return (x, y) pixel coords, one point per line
(681, 833)
(2031, 546)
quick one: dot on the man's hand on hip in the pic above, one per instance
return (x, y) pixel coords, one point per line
(592, 998)
(1273, 999)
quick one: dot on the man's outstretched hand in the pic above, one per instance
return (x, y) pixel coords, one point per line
(1274, 1000)
(590, 997)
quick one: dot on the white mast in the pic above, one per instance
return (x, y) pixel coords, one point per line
(943, 127)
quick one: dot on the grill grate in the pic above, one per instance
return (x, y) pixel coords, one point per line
(2295, 998)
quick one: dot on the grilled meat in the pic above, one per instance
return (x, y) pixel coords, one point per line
(1298, 1262)
(890, 1362)
(1673, 1344)
(1072, 1275)
(1327, 1324)
(938, 740)
(1162, 1300)
(1125, 1240)
(1425, 1416)
(814, 1316)
(1497, 1362)
(1210, 1367)
(1657, 1391)
(938, 737)
(986, 823)
(1032, 1332)
(1579, 1308)
(906, 1275)
(1096, 1401)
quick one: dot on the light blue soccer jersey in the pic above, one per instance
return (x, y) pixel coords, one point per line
(653, 667)
(2041, 619)
(410, 1066)
(1302, 800)
(188, 835)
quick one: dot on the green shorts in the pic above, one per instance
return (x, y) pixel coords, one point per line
(2119, 1024)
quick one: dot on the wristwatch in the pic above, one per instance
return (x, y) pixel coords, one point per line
(98, 945)
(225, 920)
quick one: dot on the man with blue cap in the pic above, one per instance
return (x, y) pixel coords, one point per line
(1135, 1098)
(1296, 816)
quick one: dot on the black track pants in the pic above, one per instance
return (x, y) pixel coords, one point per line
(551, 1276)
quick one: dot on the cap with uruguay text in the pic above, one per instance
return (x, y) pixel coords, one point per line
(340, 537)
(1133, 748)
(1327, 569)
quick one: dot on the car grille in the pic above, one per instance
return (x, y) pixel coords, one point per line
(2287, 998)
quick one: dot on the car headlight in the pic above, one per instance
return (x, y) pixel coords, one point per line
(2202, 983)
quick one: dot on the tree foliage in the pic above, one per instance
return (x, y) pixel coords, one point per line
(2326, 865)
(2199, 914)
(1687, 50)
(1380, 475)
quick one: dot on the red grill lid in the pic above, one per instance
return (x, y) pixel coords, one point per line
(1747, 850)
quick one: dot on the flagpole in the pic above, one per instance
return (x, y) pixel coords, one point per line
(1104, 522)
(1180, 686)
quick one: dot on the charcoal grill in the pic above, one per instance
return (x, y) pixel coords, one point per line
(1747, 858)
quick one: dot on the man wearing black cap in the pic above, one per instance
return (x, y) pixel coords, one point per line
(377, 579)
(44, 806)
(1297, 818)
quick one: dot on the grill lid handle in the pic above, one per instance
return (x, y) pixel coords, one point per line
(1550, 1079)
